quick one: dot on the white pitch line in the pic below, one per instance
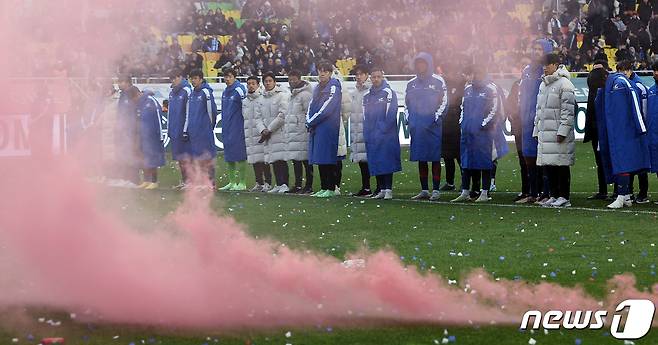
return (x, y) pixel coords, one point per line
(472, 204)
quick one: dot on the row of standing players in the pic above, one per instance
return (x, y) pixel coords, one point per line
(269, 127)
(621, 123)
(272, 126)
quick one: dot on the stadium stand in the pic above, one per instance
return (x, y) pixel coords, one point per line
(256, 36)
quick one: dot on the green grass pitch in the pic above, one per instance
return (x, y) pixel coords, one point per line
(585, 245)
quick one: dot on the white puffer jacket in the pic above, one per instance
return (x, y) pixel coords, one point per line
(108, 124)
(251, 111)
(357, 142)
(556, 107)
(345, 109)
(273, 114)
(295, 127)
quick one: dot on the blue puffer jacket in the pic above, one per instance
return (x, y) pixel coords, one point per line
(380, 130)
(200, 123)
(323, 121)
(480, 125)
(426, 102)
(622, 130)
(178, 108)
(652, 126)
(528, 91)
(126, 132)
(151, 132)
(235, 146)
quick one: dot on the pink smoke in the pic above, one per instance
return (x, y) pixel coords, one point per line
(60, 249)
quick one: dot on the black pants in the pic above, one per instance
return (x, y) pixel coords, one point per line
(475, 175)
(365, 175)
(643, 181)
(535, 177)
(327, 176)
(281, 172)
(600, 174)
(525, 180)
(300, 167)
(559, 178)
(385, 181)
(623, 183)
(339, 173)
(450, 170)
(423, 173)
(263, 173)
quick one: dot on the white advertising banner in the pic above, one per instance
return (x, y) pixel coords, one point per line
(162, 92)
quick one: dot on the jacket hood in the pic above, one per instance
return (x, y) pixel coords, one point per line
(304, 86)
(636, 78)
(184, 83)
(547, 45)
(145, 97)
(384, 85)
(233, 86)
(428, 60)
(274, 91)
(146, 94)
(205, 85)
(365, 86)
(560, 73)
(482, 83)
(255, 94)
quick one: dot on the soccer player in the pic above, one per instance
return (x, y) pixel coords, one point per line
(652, 119)
(199, 125)
(426, 102)
(126, 135)
(596, 80)
(642, 177)
(380, 133)
(357, 142)
(323, 121)
(151, 137)
(455, 80)
(178, 108)
(622, 132)
(554, 124)
(480, 129)
(235, 147)
(301, 93)
(251, 110)
(271, 128)
(528, 91)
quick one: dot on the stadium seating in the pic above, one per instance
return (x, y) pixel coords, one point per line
(185, 42)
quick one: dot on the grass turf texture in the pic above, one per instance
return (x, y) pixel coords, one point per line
(571, 247)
